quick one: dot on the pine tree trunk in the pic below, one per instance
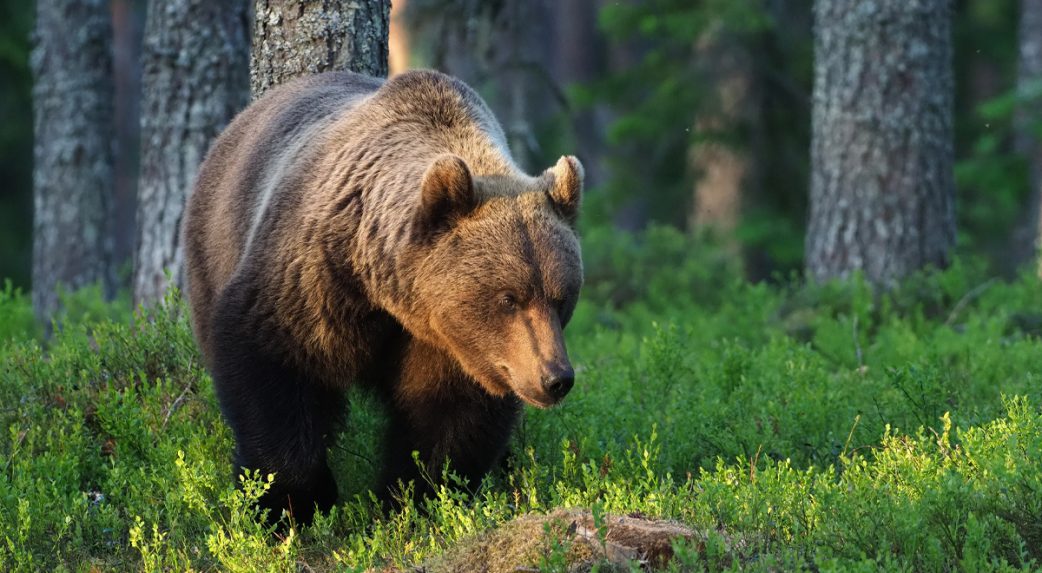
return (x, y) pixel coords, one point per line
(73, 130)
(506, 51)
(882, 190)
(527, 78)
(579, 57)
(1029, 81)
(398, 51)
(128, 30)
(723, 169)
(196, 77)
(296, 37)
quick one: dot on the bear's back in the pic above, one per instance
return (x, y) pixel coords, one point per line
(254, 159)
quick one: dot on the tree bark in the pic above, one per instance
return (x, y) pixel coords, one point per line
(296, 37)
(723, 169)
(128, 26)
(398, 50)
(882, 187)
(73, 127)
(579, 57)
(196, 79)
(1029, 84)
(525, 76)
(505, 50)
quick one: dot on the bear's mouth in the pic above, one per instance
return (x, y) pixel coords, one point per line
(537, 403)
(541, 403)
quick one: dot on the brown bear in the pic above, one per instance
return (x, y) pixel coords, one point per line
(345, 229)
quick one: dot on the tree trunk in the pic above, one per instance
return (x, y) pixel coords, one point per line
(579, 58)
(504, 50)
(293, 38)
(128, 26)
(526, 77)
(72, 170)
(195, 59)
(882, 189)
(723, 168)
(398, 54)
(635, 213)
(1029, 83)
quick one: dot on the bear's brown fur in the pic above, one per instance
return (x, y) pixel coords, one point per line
(348, 229)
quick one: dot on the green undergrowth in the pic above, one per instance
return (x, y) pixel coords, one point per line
(796, 426)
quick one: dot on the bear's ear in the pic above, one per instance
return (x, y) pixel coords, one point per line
(566, 187)
(447, 193)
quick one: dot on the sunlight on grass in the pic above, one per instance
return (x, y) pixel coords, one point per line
(786, 425)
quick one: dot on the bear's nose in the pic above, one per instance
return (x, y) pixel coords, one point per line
(558, 385)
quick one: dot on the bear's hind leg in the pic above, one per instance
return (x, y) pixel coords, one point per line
(282, 423)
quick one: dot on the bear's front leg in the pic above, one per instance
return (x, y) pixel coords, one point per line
(441, 413)
(281, 420)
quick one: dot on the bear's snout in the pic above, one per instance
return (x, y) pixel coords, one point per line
(558, 385)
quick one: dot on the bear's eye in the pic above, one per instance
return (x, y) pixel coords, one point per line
(508, 301)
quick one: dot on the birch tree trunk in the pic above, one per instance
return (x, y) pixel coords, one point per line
(1029, 83)
(196, 78)
(882, 187)
(296, 37)
(72, 151)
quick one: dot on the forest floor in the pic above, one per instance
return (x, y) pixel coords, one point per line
(715, 425)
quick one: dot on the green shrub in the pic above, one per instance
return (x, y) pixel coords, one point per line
(799, 426)
(16, 314)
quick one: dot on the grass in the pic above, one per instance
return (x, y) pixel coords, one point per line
(792, 425)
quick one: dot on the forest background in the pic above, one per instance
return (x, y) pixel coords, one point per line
(695, 115)
(810, 335)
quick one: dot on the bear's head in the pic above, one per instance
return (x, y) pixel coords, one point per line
(502, 273)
